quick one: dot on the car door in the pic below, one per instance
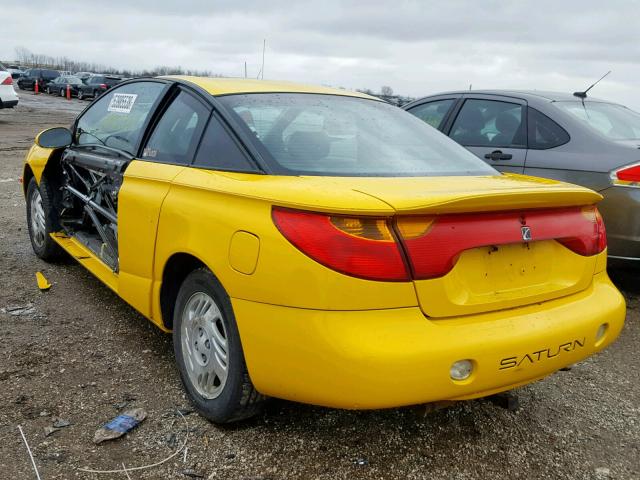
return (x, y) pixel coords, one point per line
(494, 128)
(166, 150)
(114, 126)
(435, 111)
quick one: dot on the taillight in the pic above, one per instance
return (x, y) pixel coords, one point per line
(103, 85)
(433, 244)
(7, 81)
(366, 247)
(626, 175)
(361, 247)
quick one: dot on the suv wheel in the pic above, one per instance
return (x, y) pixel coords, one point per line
(209, 352)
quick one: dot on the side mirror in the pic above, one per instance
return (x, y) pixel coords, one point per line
(57, 137)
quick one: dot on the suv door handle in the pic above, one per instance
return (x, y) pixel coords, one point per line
(498, 155)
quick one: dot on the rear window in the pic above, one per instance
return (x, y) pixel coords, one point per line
(613, 121)
(2, 68)
(336, 135)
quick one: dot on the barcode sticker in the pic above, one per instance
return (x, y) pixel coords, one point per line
(122, 102)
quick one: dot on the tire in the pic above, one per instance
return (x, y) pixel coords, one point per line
(80, 95)
(200, 352)
(40, 228)
(96, 94)
(62, 92)
(48, 90)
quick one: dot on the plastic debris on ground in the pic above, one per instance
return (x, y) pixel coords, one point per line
(43, 283)
(120, 425)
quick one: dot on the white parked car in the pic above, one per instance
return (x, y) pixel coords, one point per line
(8, 96)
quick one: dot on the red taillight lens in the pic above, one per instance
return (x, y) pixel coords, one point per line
(103, 85)
(433, 244)
(7, 81)
(360, 247)
(629, 174)
(366, 247)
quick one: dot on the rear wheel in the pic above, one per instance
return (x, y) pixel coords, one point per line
(42, 220)
(209, 353)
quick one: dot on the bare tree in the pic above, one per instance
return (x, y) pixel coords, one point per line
(386, 91)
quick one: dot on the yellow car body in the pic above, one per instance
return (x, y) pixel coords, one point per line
(312, 334)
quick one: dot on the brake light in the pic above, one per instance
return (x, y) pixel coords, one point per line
(360, 247)
(7, 81)
(434, 244)
(366, 247)
(103, 85)
(630, 173)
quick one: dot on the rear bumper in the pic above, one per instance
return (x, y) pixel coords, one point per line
(8, 103)
(621, 212)
(396, 357)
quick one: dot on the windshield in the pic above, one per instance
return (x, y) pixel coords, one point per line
(613, 121)
(336, 135)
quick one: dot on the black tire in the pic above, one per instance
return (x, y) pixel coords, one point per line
(48, 90)
(238, 399)
(47, 249)
(80, 95)
(62, 92)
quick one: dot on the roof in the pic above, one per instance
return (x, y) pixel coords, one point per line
(527, 94)
(229, 86)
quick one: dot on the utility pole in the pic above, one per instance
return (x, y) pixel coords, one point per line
(264, 45)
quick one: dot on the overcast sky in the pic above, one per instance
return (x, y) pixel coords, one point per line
(417, 48)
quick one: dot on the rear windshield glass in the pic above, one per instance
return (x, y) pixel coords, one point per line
(2, 67)
(314, 134)
(613, 121)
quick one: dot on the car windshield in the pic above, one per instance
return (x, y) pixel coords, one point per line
(613, 121)
(337, 135)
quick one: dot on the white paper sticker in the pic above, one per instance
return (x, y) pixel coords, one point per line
(122, 102)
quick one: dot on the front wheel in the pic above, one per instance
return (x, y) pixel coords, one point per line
(42, 220)
(209, 353)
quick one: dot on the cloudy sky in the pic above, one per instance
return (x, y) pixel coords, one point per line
(416, 47)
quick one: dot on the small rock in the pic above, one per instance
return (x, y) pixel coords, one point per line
(603, 472)
(192, 473)
(50, 430)
(44, 413)
(61, 423)
(361, 462)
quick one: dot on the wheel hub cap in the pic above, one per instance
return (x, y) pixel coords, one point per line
(38, 225)
(204, 345)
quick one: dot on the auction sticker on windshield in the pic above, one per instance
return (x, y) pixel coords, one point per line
(122, 102)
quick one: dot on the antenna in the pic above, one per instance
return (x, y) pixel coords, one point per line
(264, 45)
(583, 95)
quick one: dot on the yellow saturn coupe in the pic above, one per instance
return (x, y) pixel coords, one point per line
(320, 245)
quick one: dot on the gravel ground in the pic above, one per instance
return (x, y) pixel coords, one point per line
(80, 354)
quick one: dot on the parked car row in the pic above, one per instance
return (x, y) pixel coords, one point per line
(82, 85)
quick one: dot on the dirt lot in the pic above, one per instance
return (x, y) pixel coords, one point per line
(80, 354)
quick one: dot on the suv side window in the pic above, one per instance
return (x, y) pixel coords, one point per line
(117, 120)
(219, 151)
(433, 112)
(177, 133)
(544, 133)
(490, 123)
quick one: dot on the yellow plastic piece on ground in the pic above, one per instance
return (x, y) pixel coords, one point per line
(43, 283)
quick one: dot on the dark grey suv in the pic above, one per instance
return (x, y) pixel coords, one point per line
(593, 143)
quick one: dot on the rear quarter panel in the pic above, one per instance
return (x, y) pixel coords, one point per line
(201, 214)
